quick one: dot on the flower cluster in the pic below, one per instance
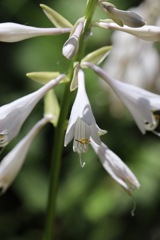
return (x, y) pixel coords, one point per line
(13, 115)
(82, 127)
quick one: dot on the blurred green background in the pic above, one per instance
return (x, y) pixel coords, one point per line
(90, 205)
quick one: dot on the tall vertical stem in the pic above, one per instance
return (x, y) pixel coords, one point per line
(49, 231)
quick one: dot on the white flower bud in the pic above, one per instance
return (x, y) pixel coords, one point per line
(13, 32)
(71, 46)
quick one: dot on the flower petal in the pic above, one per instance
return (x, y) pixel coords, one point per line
(82, 125)
(115, 167)
(13, 115)
(141, 103)
(13, 161)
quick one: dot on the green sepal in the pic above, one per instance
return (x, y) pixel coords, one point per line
(74, 81)
(55, 18)
(97, 56)
(44, 77)
(51, 107)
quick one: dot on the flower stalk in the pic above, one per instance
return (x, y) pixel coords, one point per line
(49, 231)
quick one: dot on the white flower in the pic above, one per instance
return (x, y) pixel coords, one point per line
(71, 46)
(13, 161)
(13, 32)
(143, 105)
(82, 125)
(13, 115)
(147, 32)
(115, 167)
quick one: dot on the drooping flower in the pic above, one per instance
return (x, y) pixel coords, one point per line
(147, 32)
(115, 167)
(143, 105)
(82, 125)
(14, 32)
(13, 161)
(13, 115)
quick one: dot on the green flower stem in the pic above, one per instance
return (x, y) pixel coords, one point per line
(55, 166)
(88, 15)
(49, 232)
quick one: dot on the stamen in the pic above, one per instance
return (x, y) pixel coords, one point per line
(3, 138)
(81, 161)
(134, 206)
(156, 133)
(134, 202)
(83, 140)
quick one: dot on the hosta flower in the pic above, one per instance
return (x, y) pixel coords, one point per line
(115, 167)
(13, 161)
(143, 105)
(71, 46)
(82, 125)
(14, 32)
(147, 32)
(13, 115)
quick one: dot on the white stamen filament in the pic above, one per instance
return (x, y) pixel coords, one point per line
(81, 161)
(81, 132)
(134, 206)
(156, 133)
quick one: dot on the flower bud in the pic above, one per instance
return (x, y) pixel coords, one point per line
(128, 18)
(71, 46)
(14, 32)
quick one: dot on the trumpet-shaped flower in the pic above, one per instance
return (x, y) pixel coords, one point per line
(14, 32)
(115, 167)
(13, 115)
(82, 125)
(13, 161)
(143, 105)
